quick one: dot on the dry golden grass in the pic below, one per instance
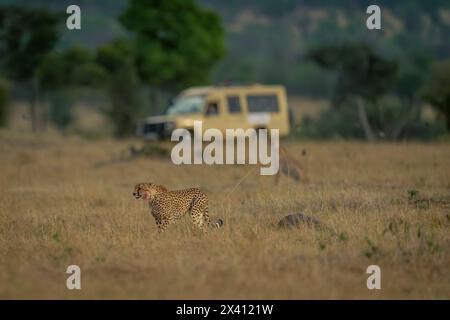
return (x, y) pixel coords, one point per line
(58, 208)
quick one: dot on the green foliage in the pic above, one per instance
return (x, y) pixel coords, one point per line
(60, 109)
(4, 105)
(173, 44)
(61, 71)
(76, 66)
(372, 250)
(385, 116)
(343, 237)
(261, 42)
(89, 74)
(310, 79)
(318, 23)
(123, 86)
(412, 193)
(361, 71)
(26, 36)
(112, 56)
(123, 91)
(413, 70)
(333, 123)
(437, 89)
(53, 72)
(177, 42)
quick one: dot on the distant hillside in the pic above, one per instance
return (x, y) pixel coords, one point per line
(267, 38)
(99, 23)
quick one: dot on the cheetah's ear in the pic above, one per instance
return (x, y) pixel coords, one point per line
(162, 188)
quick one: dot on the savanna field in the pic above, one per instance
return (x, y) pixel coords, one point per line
(364, 89)
(67, 201)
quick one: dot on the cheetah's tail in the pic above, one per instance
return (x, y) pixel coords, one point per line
(216, 225)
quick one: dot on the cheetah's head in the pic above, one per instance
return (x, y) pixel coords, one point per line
(143, 191)
(147, 191)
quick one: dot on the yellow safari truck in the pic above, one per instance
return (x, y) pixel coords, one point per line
(222, 107)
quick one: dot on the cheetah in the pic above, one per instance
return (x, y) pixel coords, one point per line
(168, 206)
(291, 167)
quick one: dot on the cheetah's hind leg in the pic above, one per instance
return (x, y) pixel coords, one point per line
(197, 215)
(200, 217)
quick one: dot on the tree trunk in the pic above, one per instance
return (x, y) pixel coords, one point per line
(34, 97)
(154, 100)
(415, 108)
(45, 110)
(363, 120)
(447, 120)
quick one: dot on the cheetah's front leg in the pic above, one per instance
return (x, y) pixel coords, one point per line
(161, 224)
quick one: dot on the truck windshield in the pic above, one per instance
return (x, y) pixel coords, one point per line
(186, 105)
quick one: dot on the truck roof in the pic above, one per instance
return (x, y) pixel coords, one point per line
(207, 89)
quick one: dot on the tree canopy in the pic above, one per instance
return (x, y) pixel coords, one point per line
(361, 71)
(27, 35)
(176, 42)
(362, 75)
(437, 90)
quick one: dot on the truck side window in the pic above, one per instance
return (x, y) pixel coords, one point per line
(262, 103)
(234, 104)
(212, 109)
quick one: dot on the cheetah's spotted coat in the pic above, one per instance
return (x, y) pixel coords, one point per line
(168, 206)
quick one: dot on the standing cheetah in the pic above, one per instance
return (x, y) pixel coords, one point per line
(168, 206)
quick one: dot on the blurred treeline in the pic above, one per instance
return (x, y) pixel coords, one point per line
(168, 45)
(378, 81)
(136, 54)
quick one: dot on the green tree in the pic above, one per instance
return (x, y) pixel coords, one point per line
(61, 72)
(4, 106)
(26, 37)
(176, 42)
(413, 68)
(117, 58)
(437, 88)
(363, 76)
